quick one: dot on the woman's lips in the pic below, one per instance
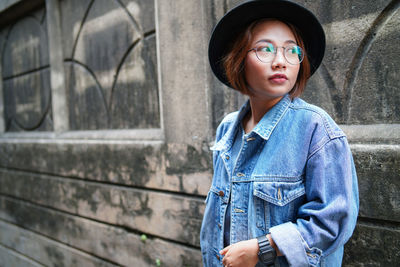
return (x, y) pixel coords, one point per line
(278, 78)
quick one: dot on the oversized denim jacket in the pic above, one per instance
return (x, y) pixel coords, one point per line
(293, 177)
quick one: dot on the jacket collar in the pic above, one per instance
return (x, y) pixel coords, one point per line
(264, 128)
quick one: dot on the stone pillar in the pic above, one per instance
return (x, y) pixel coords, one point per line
(57, 74)
(182, 45)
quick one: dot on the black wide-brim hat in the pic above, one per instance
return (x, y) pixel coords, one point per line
(238, 18)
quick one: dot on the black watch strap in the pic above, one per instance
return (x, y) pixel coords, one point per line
(267, 253)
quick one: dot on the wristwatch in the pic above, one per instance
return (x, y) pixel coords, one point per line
(267, 253)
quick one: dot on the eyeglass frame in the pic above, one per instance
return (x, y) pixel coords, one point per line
(276, 52)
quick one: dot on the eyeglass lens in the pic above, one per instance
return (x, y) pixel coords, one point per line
(293, 53)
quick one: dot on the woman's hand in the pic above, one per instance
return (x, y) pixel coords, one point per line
(243, 254)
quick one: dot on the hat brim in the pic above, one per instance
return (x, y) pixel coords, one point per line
(233, 22)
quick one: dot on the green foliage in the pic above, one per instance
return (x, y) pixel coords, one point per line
(143, 238)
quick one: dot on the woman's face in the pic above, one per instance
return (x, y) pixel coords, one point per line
(276, 78)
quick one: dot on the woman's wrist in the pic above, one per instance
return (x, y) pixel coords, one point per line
(272, 243)
(255, 247)
(255, 244)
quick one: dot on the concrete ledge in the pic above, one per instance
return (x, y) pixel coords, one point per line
(150, 164)
(137, 134)
(381, 133)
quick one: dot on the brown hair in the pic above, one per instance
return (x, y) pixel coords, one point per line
(233, 62)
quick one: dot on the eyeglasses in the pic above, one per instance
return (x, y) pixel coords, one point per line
(267, 52)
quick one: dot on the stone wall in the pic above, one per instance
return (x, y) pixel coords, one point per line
(108, 109)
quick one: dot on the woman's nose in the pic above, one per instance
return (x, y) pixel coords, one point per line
(279, 60)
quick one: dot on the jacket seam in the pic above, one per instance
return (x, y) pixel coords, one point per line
(323, 145)
(309, 250)
(328, 129)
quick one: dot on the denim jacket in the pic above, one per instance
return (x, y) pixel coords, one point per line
(294, 177)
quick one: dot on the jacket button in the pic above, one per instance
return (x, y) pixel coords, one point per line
(221, 193)
(227, 157)
(219, 226)
(218, 257)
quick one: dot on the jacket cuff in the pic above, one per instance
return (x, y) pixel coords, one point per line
(292, 245)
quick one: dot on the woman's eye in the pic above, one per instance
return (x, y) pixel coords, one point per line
(268, 48)
(295, 50)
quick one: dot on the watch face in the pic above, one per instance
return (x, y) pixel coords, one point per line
(268, 257)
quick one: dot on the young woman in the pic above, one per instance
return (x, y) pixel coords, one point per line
(284, 190)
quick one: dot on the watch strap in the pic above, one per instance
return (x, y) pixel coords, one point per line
(267, 253)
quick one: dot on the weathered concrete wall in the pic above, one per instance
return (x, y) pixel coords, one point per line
(108, 107)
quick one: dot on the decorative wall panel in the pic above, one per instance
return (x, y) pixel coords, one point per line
(110, 64)
(25, 75)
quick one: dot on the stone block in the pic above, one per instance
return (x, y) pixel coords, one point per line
(373, 245)
(43, 250)
(11, 258)
(172, 167)
(112, 243)
(170, 216)
(378, 169)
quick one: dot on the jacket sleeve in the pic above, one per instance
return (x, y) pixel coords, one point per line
(327, 220)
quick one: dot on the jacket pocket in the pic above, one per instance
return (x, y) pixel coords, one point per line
(279, 193)
(277, 202)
